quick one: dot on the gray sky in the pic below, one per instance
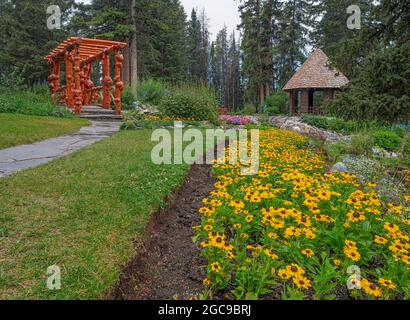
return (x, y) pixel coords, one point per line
(219, 12)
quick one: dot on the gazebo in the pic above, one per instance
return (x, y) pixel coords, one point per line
(313, 83)
(78, 55)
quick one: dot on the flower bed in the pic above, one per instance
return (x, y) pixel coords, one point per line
(236, 120)
(292, 231)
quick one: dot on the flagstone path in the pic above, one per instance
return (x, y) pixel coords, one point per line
(30, 156)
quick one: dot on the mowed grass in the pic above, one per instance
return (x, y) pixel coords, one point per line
(17, 129)
(82, 213)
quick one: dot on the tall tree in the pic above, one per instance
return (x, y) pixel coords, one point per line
(234, 84)
(194, 44)
(292, 38)
(204, 56)
(25, 37)
(221, 64)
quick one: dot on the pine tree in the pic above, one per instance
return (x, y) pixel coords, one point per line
(204, 55)
(25, 38)
(291, 38)
(234, 84)
(221, 64)
(194, 47)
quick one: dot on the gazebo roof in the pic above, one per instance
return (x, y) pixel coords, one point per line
(316, 73)
(87, 48)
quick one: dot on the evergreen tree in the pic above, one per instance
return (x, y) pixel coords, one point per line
(25, 38)
(194, 47)
(221, 65)
(204, 54)
(291, 38)
(234, 84)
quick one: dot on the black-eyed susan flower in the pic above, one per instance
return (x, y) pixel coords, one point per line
(294, 270)
(302, 282)
(308, 253)
(337, 262)
(387, 283)
(284, 274)
(206, 282)
(216, 267)
(370, 288)
(380, 240)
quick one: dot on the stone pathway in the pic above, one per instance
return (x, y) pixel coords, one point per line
(30, 156)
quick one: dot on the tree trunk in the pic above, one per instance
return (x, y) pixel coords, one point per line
(133, 55)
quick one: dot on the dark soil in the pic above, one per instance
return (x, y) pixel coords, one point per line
(169, 265)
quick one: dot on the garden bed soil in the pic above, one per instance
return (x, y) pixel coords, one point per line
(169, 266)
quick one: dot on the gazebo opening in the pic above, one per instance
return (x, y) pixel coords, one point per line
(76, 59)
(314, 83)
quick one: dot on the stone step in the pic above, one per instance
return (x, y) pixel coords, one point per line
(101, 117)
(96, 110)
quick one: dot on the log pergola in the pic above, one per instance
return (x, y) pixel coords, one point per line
(79, 54)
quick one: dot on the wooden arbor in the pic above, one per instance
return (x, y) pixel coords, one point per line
(79, 54)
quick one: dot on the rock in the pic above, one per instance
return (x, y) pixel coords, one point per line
(339, 167)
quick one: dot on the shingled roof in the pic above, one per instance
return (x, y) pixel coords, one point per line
(316, 73)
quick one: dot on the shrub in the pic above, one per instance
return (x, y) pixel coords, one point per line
(361, 144)
(32, 102)
(249, 109)
(277, 103)
(127, 98)
(388, 140)
(190, 102)
(151, 91)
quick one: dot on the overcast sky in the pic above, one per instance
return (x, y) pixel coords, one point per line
(219, 12)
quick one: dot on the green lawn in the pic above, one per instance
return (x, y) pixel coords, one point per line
(83, 213)
(16, 129)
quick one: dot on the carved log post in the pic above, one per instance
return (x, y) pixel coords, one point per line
(77, 79)
(69, 81)
(107, 82)
(119, 85)
(88, 85)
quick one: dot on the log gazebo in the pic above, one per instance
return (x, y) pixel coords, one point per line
(78, 55)
(314, 82)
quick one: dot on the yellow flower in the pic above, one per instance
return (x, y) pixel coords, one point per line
(355, 216)
(272, 236)
(294, 270)
(284, 274)
(352, 253)
(302, 282)
(237, 226)
(387, 283)
(216, 267)
(206, 282)
(208, 228)
(370, 288)
(380, 240)
(307, 252)
(249, 219)
(337, 262)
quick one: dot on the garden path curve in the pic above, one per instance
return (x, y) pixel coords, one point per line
(33, 155)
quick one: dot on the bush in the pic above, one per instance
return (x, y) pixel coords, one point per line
(151, 92)
(190, 102)
(128, 98)
(360, 144)
(277, 103)
(388, 140)
(335, 124)
(31, 102)
(249, 109)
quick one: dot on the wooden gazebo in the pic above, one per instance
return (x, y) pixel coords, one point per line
(79, 54)
(315, 76)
